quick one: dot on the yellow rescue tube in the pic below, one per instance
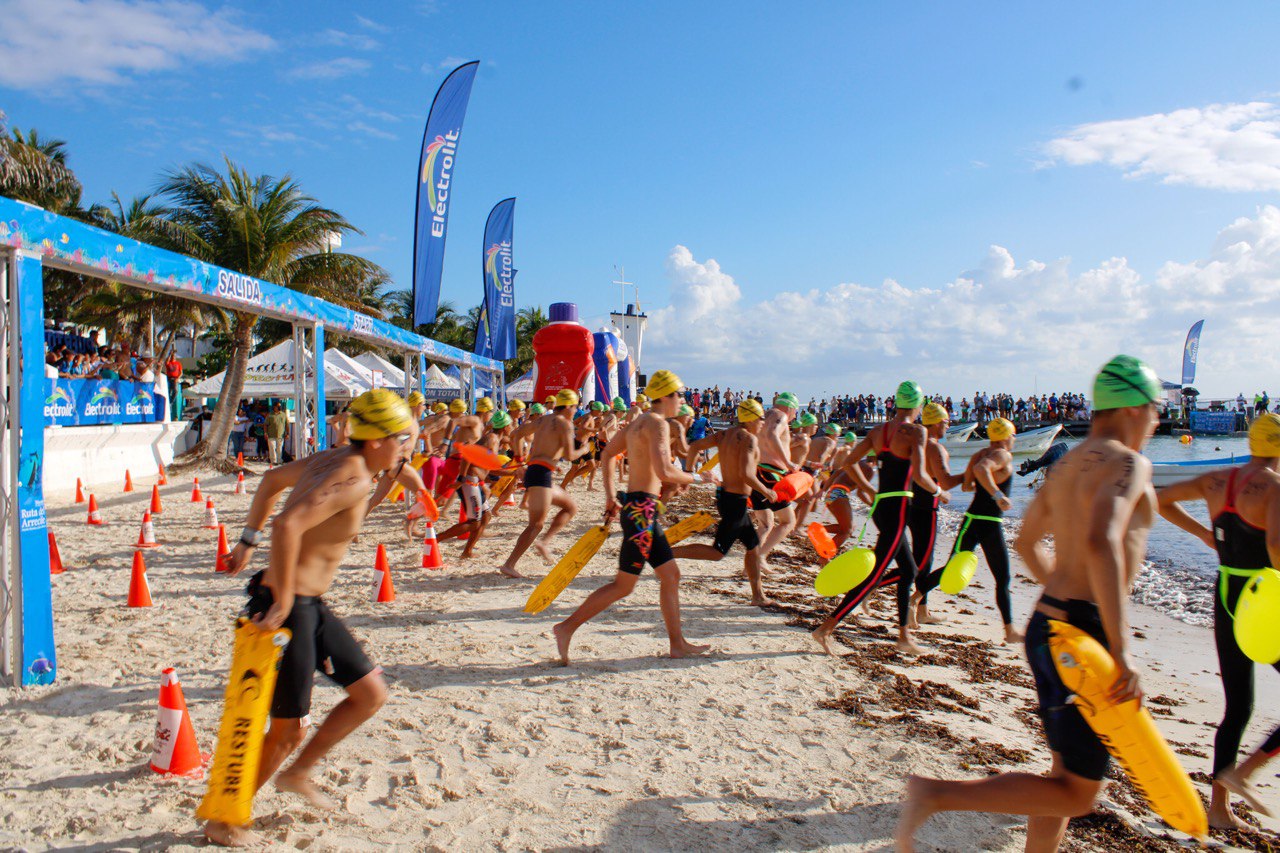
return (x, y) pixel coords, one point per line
(710, 463)
(686, 527)
(845, 572)
(1257, 620)
(958, 572)
(1127, 729)
(573, 561)
(233, 777)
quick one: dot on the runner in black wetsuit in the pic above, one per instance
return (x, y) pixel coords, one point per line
(990, 475)
(1245, 505)
(899, 446)
(924, 506)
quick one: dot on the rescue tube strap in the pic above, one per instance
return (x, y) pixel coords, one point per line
(1225, 572)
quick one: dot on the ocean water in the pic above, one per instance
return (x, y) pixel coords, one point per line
(1180, 573)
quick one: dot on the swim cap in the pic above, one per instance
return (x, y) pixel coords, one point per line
(536, 409)
(908, 396)
(565, 397)
(484, 404)
(550, 401)
(998, 429)
(439, 407)
(849, 437)
(416, 399)
(596, 406)
(641, 399)
(1264, 436)
(377, 414)
(684, 410)
(831, 429)
(1124, 381)
(749, 410)
(795, 424)
(933, 414)
(500, 420)
(515, 406)
(457, 407)
(619, 405)
(808, 419)
(662, 383)
(786, 400)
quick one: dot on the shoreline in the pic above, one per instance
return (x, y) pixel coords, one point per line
(485, 743)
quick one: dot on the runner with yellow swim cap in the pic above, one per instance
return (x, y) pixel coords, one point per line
(587, 434)
(923, 522)
(647, 444)
(1098, 507)
(309, 538)
(989, 475)
(1244, 504)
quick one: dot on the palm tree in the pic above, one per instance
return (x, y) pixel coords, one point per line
(270, 229)
(35, 170)
(528, 322)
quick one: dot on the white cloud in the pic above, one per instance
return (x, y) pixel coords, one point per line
(369, 130)
(1000, 326)
(369, 24)
(45, 43)
(1221, 146)
(355, 41)
(330, 69)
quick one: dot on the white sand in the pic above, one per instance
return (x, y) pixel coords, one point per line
(485, 744)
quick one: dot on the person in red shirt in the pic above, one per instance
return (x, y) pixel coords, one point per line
(173, 370)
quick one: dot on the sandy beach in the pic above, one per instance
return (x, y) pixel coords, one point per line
(486, 744)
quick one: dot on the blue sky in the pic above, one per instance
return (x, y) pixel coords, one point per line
(819, 196)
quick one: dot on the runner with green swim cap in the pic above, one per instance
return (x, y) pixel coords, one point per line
(909, 396)
(619, 405)
(1125, 381)
(818, 453)
(787, 400)
(775, 519)
(536, 409)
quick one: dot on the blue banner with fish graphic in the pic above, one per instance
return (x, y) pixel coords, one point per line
(496, 331)
(435, 179)
(93, 402)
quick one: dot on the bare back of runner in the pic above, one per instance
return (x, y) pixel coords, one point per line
(1098, 506)
(646, 441)
(309, 538)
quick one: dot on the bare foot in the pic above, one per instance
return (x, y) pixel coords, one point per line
(1238, 785)
(1224, 818)
(563, 637)
(300, 783)
(920, 614)
(227, 835)
(915, 811)
(541, 548)
(1012, 635)
(907, 646)
(823, 639)
(762, 601)
(510, 572)
(687, 649)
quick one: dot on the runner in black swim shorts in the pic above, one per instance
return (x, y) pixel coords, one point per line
(642, 538)
(769, 475)
(735, 522)
(538, 474)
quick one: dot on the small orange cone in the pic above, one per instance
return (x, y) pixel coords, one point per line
(95, 517)
(196, 497)
(462, 516)
(55, 558)
(175, 749)
(384, 590)
(79, 491)
(147, 535)
(239, 483)
(400, 497)
(431, 549)
(156, 507)
(139, 592)
(128, 481)
(224, 550)
(210, 516)
(239, 460)
(164, 480)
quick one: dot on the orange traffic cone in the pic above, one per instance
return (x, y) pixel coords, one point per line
(239, 483)
(156, 507)
(431, 549)
(175, 749)
(462, 516)
(224, 550)
(210, 516)
(79, 491)
(147, 535)
(95, 517)
(128, 481)
(239, 460)
(55, 558)
(400, 497)
(384, 590)
(163, 480)
(139, 592)
(196, 497)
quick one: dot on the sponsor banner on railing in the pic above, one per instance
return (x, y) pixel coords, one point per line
(92, 402)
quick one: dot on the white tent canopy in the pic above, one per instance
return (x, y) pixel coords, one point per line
(438, 386)
(392, 376)
(348, 369)
(271, 374)
(522, 388)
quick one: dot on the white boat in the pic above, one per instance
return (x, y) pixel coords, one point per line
(1168, 473)
(958, 434)
(1033, 443)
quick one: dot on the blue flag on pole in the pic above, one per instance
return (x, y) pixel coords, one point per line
(1190, 352)
(435, 174)
(496, 333)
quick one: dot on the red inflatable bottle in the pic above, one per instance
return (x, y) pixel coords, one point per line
(562, 352)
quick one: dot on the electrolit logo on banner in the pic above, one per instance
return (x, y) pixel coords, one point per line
(242, 288)
(437, 172)
(499, 268)
(59, 404)
(103, 403)
(1190, 352)
(141, 405)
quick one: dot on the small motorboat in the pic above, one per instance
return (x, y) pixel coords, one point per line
(958, 434)
(1168, 473)
(1032, 443)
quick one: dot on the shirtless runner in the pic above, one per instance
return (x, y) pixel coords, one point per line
(739, 454)
(309, 538)
(924, 506)
(647, 445)
(776, 518)
(818, 456)
(1098, 506)
(551, 440)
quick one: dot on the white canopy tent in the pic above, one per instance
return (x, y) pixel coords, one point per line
(438, 386)
(348, 368)
(272, 373)
(522, 388)
(392, 376)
